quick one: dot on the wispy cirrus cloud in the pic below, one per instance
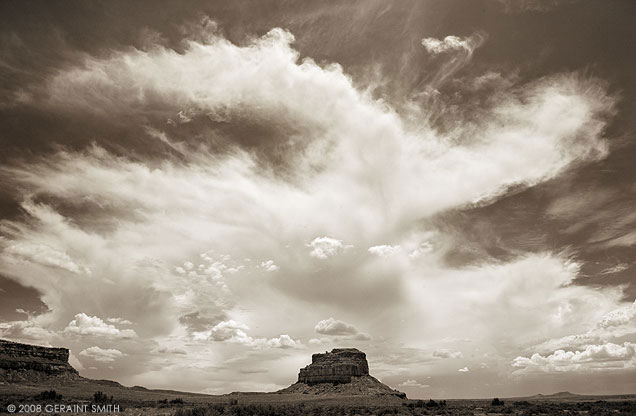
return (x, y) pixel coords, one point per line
(452, 43)
(44, 255)
(445, 353)
(532, 6)
(455, 52)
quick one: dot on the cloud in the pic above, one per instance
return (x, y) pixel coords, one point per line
(452, 43)
(46, 256)
(74, 362)
(28, 330)
(533, 6)
(613, 325)
(423, 248)
(592, 358)
(230, 331)
(464, 370)
(361, 336)
(384, 250)
(120, 321)
(498, 298)
(170, 350)
(456, 53)
(334, 327)
(623, 240)
(235, 332)
(283, 341)
(444, 353)
(197, 322)
(93, 326)
(321, 341)
(101, 355)
(323, 247)
(620, 267)
(269, 266)
(413, 383)
(622, 316)
(395, 171)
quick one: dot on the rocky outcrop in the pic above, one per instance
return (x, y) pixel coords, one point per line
(21, 363)
(358, 386)
(337, 366)
(343, 371)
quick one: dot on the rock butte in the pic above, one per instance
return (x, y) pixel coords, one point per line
(341, 371)
(337, 366)
(31, 363)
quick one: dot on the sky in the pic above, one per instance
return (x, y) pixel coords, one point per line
(199, 195)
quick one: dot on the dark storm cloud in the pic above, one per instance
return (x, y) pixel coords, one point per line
(583, 213)
(344, 282)
(16, 301)
(195, 322)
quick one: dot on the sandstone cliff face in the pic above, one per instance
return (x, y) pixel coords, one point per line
(31, 363)
(337, 366)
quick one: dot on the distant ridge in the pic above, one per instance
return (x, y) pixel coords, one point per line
(557, 395)
(569, 396)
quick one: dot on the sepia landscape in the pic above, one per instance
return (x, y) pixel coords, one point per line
(41, 381)
(298, 207)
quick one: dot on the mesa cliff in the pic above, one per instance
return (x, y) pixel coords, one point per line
(21, 363)
(341, 371)
(337, 366)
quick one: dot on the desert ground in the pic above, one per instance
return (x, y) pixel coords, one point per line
(141, 401)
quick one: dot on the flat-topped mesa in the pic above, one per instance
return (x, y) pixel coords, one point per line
(23, 362)
(337, 366)
(341, 372)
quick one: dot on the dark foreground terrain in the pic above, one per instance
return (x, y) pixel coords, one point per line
(140, 401)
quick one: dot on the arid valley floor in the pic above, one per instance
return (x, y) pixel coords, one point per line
(140, 401)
